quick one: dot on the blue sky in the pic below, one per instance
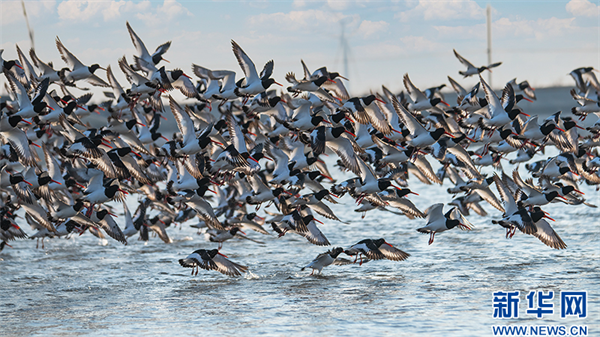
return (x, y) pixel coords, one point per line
(541, 41)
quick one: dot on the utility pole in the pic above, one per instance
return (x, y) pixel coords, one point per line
(489, 41)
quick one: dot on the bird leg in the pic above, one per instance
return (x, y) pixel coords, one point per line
(431, 237)
(311, 273)
(37, 243)
(361, 261)
(43, 243)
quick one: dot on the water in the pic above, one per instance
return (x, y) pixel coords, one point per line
(82, 286)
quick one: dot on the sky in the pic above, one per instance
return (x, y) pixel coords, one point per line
(538, 41)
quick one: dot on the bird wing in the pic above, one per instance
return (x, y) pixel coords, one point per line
(19, 142)
(117, 89)
(305, 69)
(460, 91)
(202, 72)
(111, 228)
(407, 118)
(494, 104)
(510, 206)
(392, 253)
(366, 172)
(344, 149)
(138, 43)
(548, 236)
(434, 212)
(415, 94)
(67, 56)
(163, 48)
(258, 186)
(43, 67)
(245, 63)
(463, 60)
(184, 122)
(228, 78)
(97, 81)
(227, 267)
(132, 76)
(267, 70)
(235, 134)
(455, 214)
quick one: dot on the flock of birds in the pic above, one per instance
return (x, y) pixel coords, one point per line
(240, 145)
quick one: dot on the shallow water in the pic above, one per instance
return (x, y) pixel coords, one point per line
(82, 286)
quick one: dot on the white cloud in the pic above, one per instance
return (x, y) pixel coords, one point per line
(309, 21)
(76, 11)
(419, 44)
(540, 29)
(337, 5)
(12, 11)
(368, 28)
(443, 10)
(583, 8)
(299, 3)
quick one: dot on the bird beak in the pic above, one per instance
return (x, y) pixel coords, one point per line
(350, 133)
(78, 184)
(524, 114)
(557, 128)
(80, 107)
(142, 124)
(319, 221)
(102, 68)
(163, 117)
(267, 158)
(578, 191)
(449, 134)
(411, 192)
(380, 100)
(342, 77)
(446, 104)
(253, 159)
(279, 84)
(260, 217)
(27, 182)
(527, 99)
(242, 232)
(470, 139)
(112, 214)
(332, 81)
(214, 141)
(187, 76)
(165, 138)
(26, 122)
(124, 192)
(166, 60)
(54, 181)
(34, 144)
(328, 177)
(547, 217)
(222, 255)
